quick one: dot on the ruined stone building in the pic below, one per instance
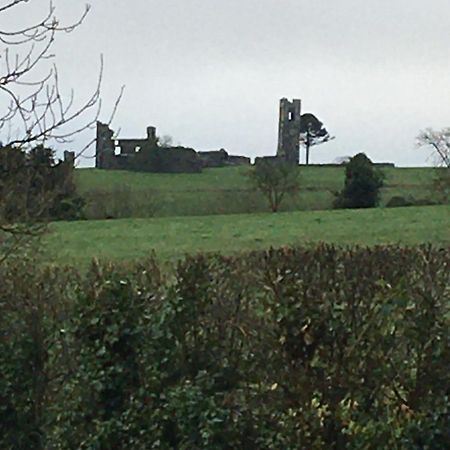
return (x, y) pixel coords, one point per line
(114, 153)
(147, 155)
(142, 154)
(289, 130)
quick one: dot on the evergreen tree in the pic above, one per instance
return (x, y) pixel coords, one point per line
(362, 184)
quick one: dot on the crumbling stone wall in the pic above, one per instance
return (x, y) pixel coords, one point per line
(289, 130)
(213, 158)
(104, 147)
(152, 158)
(69, 158)
(267, 159)
(236, 160)
(221, 158)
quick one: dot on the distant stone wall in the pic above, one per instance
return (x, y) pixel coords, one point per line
(167, 160)
(269, 159)
(213, 158)
(380, 165)
(221, 158)
(235, 160)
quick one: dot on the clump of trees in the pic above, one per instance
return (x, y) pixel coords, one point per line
(275, 179)
(34, 187)
(362, 184)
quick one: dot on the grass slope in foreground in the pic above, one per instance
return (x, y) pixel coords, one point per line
(128, 239)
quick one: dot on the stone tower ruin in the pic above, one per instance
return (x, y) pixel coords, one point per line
(289, 130)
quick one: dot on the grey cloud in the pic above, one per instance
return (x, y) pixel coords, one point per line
(210, 72)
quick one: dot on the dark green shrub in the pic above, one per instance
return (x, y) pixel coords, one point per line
(34, 358)
(338, 325)
(108, 333)
(362, 184)
(398, 201)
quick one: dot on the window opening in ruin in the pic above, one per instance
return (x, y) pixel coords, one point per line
(291, 116)
(117, 149)
(137, 149)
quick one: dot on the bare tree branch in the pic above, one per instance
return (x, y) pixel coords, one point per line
(439, 141)
(35, 111)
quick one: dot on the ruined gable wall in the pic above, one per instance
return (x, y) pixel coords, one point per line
(104, 147)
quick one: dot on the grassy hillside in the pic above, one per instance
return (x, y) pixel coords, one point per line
(129, 239)
(223, 191)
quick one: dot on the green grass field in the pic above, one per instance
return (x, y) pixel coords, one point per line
(120, 194)
(130, 239)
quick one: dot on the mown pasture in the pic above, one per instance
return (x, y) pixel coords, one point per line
(171, 237)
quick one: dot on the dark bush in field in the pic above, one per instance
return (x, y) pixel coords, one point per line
(292, 348)
(363, 182)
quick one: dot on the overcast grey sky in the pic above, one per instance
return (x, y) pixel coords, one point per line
(210, 73)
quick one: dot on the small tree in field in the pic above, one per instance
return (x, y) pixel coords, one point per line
(275, 179)
(362, 184)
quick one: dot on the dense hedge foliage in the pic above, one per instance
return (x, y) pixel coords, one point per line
(324, 348)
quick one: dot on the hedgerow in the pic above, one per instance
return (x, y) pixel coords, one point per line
(294, 348)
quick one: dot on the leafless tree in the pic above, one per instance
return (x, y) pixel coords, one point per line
(33, 108)
(165, 141)
(439, 142)
(29, 82)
